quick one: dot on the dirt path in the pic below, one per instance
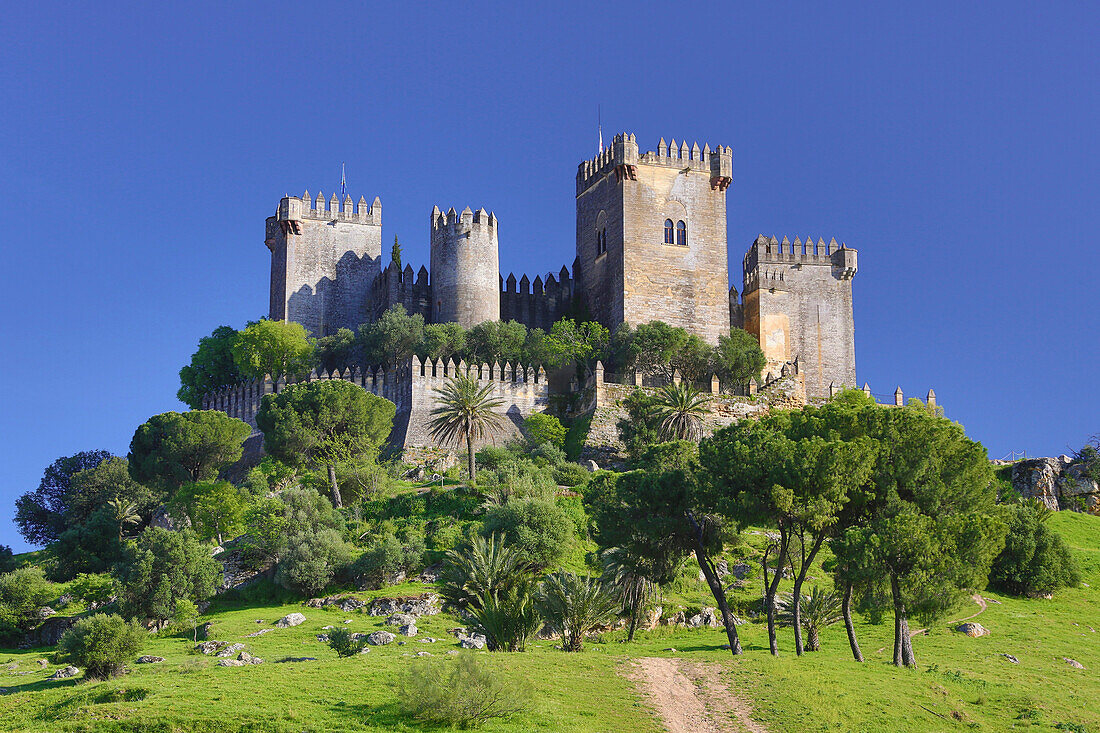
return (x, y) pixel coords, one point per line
(976, 598)
(689, 697)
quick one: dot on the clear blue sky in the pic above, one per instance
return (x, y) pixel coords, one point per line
(955, 147)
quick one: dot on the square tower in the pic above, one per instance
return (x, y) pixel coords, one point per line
(651, 236)
(324, 261)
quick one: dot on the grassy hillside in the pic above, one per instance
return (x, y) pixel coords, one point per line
(960, 683)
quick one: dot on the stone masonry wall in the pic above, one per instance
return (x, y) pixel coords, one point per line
(465, 269)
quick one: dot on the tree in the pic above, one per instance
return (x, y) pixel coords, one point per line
(539, 530)
(40, 514)
(172, 448)
(162, 568)
(110, 481)
(344, 643)
(306, 540)
(7, 559)
(629, 575)
(738, 357)
(655, 516)
(336, 351)
(542, 428)
(125, 514)
(465, 410)
(819, 609)
(582, 343)
(212, 367)
(323, 423)
(497, 342)
(187, 617)
(679, 411)
(574, 605)
(215, 508)
(694, 360)
(443, 341)
(395, 253)
(273, 348)
(22, 593)
(1035, 560)
(102, 644)
(653, 347)
(391, 340)
(490, 581)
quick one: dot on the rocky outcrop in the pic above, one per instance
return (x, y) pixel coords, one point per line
(65, 673)
(380, 638)
(344, 603)
(49, 632)
(972, 629)
(425, 604)
(149, 659)
(291, 619)
(1057, 482)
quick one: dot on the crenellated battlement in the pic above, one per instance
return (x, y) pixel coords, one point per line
(468, 218)
(293, 209)
(536, 303)
(771, 251)
(622, 156)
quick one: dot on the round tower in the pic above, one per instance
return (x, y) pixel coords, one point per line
(465, 276)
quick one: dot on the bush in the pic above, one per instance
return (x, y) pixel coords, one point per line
(22, 593)
(493, 456)
(463, 693)
(540, 530)
(344, 643)
(162, 568)
(520, 478)
(1035, 559)
(102, 644)
(574, 605)
(390, 556)
(92, 589)
(570, 474)
(542, 428)
(548, 454)
(7, 559)
(310, 558)
(576, 437)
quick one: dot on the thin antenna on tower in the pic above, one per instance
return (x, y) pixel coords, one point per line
(343, 183)
(599, 125)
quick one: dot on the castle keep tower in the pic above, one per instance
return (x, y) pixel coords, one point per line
(798, 302)
(465, 269)
(324, 261)
(651, 236)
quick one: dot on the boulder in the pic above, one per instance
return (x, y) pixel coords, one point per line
(407, 630)
(400, 619)
(261, 632)
(323, 638)
(1076, 490)
(149, 659)
(474, 641)
(44, 613)
(425, 604)
(972, 629)
(424, 654)
(1011, 658)
(652, 618)
(161, 518)
(49, 632)
(295, 659)
(210, 647)
(65, 673)
(230, 650)
(380, 638)
(248, 658)
(740, 570)
(1073, 663)
(231, 663)
(291, 619)
(314, 603)
(64, 600)
(592, 466)
(42, 663)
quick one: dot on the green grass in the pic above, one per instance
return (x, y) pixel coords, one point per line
(585, 692)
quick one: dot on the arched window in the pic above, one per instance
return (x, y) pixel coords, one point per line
(601, 241)
(668, 231)
(681, 234)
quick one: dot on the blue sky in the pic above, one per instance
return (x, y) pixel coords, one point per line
(954, 146)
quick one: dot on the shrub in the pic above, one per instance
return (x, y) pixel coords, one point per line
(574, 605)
(1035, 559)
(540, 530)
(463, 693)
(310, 558)
(7, 559)
(344, 643)
(92, 589)
(542, 428)
(570, 474)
(493, 456)
(389, 556)
(162, 568)
(576, 437)
(22, 593)
(102, 644)
(548, 454)
(520, 478)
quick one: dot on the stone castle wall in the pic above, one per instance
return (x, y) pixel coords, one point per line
(465, 267)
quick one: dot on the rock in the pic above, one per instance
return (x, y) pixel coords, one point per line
(161, 518)
(592, 466)
(230, 650)
(669, 649)
(44, 613)
(474, 641)
(64, 600)
(323, 638)
(49, 632)
(347, 621)
(452, 652)
(216, 550)
(42, 663)
(677, 619)
(394, 578)
(203, 631)
(426, 604)
(1073, 663)
(364, 650)
(65, 673)
(1035, 478)
(402, 643)
(330, 627)
(740, 570)
(149, 659)
(1011, 658)
(314, 603)
(248, 658)
(407, 630)
(652, 618)
(261, 632)
(401, 619)
(721, 568)
(11, 666)
(291, 619)
(424, 654)
(380, 638)
(210, 647)
(231, 663)
(429, 575)
(295, 659)
(972, 629)
(1077, 490)
(427, 640)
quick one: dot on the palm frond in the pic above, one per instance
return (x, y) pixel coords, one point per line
(680, 409)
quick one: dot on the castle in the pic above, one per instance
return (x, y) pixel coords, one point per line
(651, 245)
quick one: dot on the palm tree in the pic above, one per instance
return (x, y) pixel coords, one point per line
(680, 409)
(818, 610)
(124, 513)
(574, 605)
(465, 410)
(635, 589)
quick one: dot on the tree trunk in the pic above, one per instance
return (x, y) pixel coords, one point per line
(848, 625)
(814, 642)
(632, 626)
(335, 488)
(472, 468)
(715, 586)
(797, 598)
(903, 648)
(770, 589)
